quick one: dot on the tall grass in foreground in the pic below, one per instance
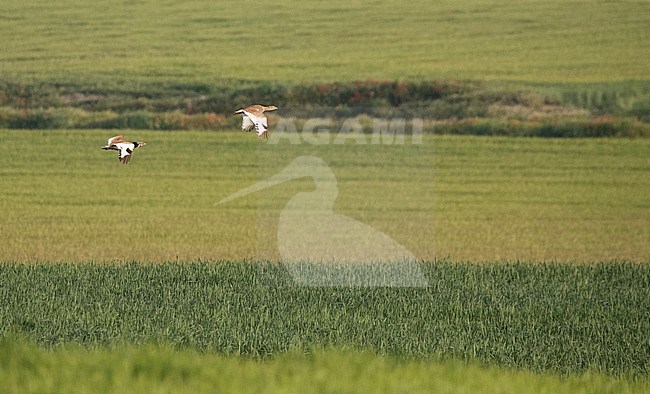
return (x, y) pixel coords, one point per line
(27, 368)
(542, 317)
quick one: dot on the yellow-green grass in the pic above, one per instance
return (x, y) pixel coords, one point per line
(107, 43)
(156, 369)
(467, 198)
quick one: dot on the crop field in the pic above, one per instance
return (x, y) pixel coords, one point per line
(563, 68)
(519, 217)
(162, 369)
(561, 318)
(108, 43)
(447, 199)
(465, 198)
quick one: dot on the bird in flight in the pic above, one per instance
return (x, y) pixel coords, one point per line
(124, 147)
(253, 116)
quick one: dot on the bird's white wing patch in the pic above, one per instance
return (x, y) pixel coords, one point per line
(261, 126)
(253, 118)
(125, 151)
(261, 123)
(247, 123)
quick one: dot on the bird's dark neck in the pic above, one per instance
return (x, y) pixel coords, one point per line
(135, 145)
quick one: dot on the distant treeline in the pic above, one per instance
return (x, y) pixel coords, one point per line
(458, 107)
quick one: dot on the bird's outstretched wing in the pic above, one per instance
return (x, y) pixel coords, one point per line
(115, 140)
(246, 123)
(262, 127)
(125, 153)
(260, 122)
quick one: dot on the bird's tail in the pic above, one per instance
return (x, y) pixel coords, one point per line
(239, 111)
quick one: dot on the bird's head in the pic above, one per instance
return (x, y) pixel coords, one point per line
(139, 144)
(270, 108)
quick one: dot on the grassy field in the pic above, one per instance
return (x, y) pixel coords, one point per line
(466, 198)
(69, 322)
(563, 68)
(159, 369)
(548, 318)
(108, 43)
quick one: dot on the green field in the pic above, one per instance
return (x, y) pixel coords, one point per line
(136, 278)
(109, 43)
(548, 318)
(465, 198)
(460, 198)
(158, 369)
(563, 68)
